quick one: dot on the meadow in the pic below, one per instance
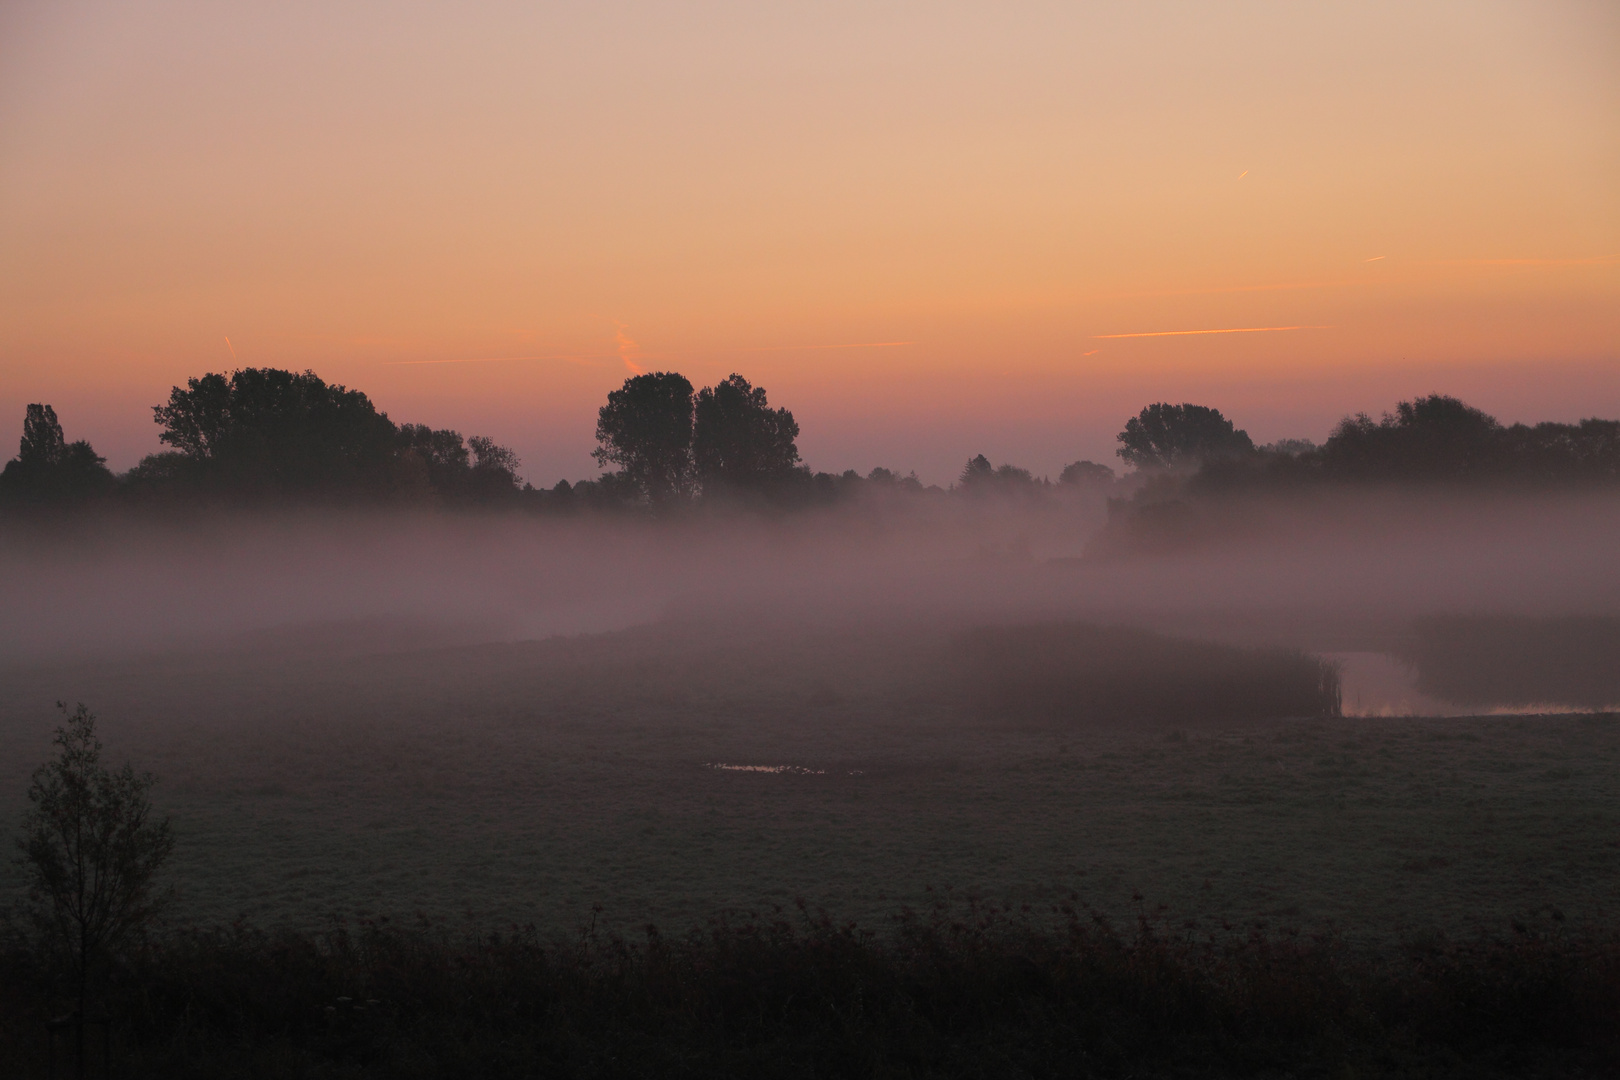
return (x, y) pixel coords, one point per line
(673, 772)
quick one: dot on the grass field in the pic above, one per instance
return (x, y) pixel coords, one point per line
(531, 783)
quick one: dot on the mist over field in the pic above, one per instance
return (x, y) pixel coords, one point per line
(1321, 570)
(809, 540)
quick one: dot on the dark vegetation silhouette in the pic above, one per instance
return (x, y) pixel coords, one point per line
(646, 430)
(264, 435)
(979, 477)
(1179, 437)
(740, 444)
(723, 442)
(1433, 443)
(1433, 439)
(965, 989)
(1074, 673)
(48, 470)
(91, 849)
(1088, 474)
(1517, 660)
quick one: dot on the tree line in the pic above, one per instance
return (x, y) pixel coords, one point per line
(266, 435)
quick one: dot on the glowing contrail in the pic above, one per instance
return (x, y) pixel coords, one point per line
(231, 347)
(1233, 330)
(629, 351)
(1375, 258)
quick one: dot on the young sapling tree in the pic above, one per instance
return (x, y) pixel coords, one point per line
(91, 851)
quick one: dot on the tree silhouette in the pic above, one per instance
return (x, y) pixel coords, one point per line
(646, 429)
(1164, 436)
(47, 467)
(977, 473)
(494, 467)
(1087, 474)
(42, 440)
(265, 431)
(1433, 437)
(91, 850)
(476, 469)
(980, 477)
(738, 441)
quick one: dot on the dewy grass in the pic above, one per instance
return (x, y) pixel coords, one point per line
(963, 989)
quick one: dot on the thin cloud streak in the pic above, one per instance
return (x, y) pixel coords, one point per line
(1229, 330)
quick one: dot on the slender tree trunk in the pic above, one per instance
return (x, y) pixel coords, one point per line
(84, 995)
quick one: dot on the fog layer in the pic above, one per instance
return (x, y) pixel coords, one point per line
(1339, 571)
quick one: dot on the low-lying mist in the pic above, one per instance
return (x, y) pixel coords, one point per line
(1328, 571)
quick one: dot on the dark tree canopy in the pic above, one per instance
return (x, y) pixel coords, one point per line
(42, 440)
(1430, 437)
(976, 473)
(48, 468)
(1436, 439)
(1086, 474)
(476, 469)
(1164, 436)
(738, 441)
(443, 452)
(980, 477)
(646, 430)
(265, 430)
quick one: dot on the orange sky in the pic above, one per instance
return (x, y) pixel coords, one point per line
(1430, 191)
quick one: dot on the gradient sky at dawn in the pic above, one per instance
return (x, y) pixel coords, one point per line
(919, 226)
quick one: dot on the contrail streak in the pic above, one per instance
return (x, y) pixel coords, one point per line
(231, 347)
(1232, 330)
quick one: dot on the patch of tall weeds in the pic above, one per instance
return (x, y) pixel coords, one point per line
(961, 989)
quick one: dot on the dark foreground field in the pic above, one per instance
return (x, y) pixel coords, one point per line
(529, 783)
(1326, 894)
(963, 990)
